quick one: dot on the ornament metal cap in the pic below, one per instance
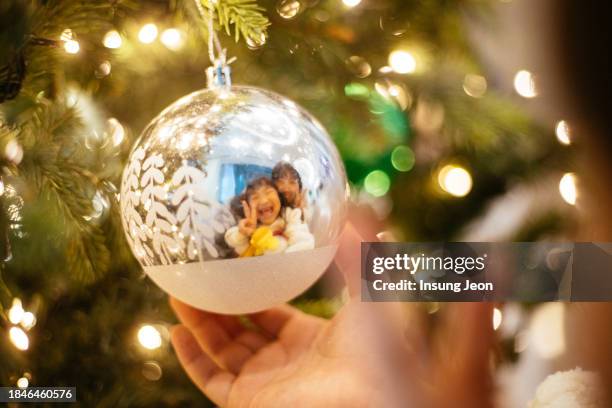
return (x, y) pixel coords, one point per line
(218, 75)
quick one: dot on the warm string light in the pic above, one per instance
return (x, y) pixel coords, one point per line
(524, 84)
(148, 33)
(172, 38)
(402, 62)
(112, 40)
(71, 46)
(497, 318)
(149, 337)
(567, 188)
(19, 316)
(19, 338)
(455, 180)
(351, 3)
(563, 133)
(23, 382)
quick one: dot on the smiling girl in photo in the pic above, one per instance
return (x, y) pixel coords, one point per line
(265, 228)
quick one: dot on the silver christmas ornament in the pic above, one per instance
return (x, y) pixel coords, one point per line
(233, 198)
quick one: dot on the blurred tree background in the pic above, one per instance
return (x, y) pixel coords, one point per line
(436, 147)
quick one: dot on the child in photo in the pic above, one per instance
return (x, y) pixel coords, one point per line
(289, 183)
(267, 224)
(260, 231)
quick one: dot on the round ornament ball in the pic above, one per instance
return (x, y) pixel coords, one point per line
(233, 199)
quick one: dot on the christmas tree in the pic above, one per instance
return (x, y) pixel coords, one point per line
(427, 140)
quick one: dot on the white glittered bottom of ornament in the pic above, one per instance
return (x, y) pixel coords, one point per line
(243, 285)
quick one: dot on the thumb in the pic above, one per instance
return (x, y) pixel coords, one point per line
(348, 259)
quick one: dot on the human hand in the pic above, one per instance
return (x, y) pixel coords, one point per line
(248, 224)
(369, 354)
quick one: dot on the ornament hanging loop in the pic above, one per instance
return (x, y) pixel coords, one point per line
(219, 74)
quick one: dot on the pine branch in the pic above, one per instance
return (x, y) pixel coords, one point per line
(245, 15)
(49, 163)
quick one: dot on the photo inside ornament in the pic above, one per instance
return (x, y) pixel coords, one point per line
(233, 198)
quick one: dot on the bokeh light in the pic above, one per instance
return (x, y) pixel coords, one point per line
(148, 33)
(377, 183)
(524, 84)
(567, 188)
(112, 40)
(475, 85)
(16, 312)
(351, 3)
(172, 38)
(28, 320)
(72, 47)
(497, 318)
(149, 337)
(455, 180)
(23, 382)
(288, 9)
(19, 338)
(547, 331)
(402, 158)
(562, 131)
(402, 62)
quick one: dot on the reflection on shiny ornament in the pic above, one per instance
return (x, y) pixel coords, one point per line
(359, 66)
(402, 158)
(562, 131)
(400, 95)
(100, 206)
(455, 180)
(112, 40)
(19, 338)
(255, 43)
(16, 311)
(67, 35)
(402, 62)
(377, 183)
(173, 39)
(547, 330)
(497, 318)
(151, 370)
(149, 337)
(288, 8)
(116, 131)
(524, 84)
(148, 33)
(385, 69)
(28, 320)
(351, 3)
(23, 382)
(567, 188)
(429, 116)
(104, 69)
(475, 85)
(1, 187)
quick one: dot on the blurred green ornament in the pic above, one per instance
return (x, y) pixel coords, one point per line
(402, 158)
(377, 183)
